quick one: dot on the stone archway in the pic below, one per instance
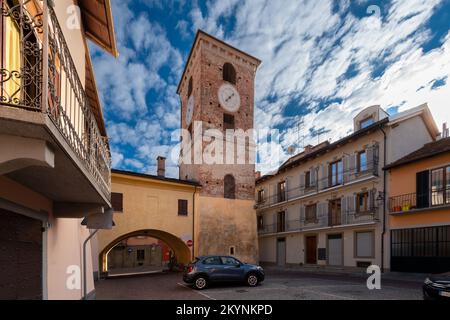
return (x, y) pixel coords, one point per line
(180, 249)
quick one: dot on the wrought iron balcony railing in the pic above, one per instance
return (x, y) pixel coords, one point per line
(413, 201)
(325, 220)
(344, 177)
(39, 74)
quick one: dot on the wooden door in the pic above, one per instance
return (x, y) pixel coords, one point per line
(311, 250)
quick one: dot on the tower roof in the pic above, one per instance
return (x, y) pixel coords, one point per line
(206, 36)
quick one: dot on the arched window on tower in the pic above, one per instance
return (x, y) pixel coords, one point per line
(229, 73)
(229, 187)
(190, 87)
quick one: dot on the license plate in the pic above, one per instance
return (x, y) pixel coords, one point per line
(445, 294)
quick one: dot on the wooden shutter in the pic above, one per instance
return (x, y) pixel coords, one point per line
(345, 163)
(352, 167)
(344, 209)
(313, 177)
(302, 183)
(423, 189)
(370, 159)
(117, 201)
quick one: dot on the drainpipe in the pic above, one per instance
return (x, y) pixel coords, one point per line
(384, 200)
(85, 264)
(193, 224)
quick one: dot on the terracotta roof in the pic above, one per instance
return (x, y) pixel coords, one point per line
(427, 151)
(153, 177)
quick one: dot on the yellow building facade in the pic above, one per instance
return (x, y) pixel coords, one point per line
(152, 206)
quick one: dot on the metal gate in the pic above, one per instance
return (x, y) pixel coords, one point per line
(421, 250)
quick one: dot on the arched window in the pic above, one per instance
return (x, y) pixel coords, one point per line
(229, 73)
(229, 187)
(190, 87)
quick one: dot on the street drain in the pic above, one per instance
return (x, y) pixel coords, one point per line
(241, 291)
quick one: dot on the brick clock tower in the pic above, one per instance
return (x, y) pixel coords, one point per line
(217, 92)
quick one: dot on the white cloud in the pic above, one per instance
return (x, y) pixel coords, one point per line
(307, 47)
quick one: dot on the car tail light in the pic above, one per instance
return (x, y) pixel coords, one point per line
(189, 269)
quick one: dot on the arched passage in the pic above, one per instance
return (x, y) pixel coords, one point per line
(180, 249)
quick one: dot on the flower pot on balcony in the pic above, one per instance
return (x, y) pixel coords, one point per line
(406, 207)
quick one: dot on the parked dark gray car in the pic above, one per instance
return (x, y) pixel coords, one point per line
(205, 270)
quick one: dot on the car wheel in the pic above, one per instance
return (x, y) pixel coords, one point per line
(252, 280)
(200, 283)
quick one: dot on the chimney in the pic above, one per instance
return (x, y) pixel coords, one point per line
(257, 175)
(161, 166)
(308, 148)
(445, 131)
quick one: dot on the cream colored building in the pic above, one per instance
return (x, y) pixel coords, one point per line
(326, 206)
(54, 153)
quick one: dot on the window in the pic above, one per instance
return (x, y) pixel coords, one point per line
(117, 201)
(281, 221)
(447, 189)
(364, 244)
(437, 187)
(229, 187)
(190, 87)
(229, 73)
(282, 191)
(311, 213)
(228, 121)
(308, 179)
(362, 202)
(367, 122)
(182, 207)
(261, 196)
(212, 261)
(232, 250)
(260, 223)
(362, 162)
(229, 261)
(336, 173)
(140, 254)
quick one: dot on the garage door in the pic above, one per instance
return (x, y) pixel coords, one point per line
(421, 250)
(335, 250)
(20, 257)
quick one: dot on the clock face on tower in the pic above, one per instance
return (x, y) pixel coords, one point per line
(229, 97)
(189, 110)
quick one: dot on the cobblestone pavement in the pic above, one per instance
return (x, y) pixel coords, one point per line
(278, 285)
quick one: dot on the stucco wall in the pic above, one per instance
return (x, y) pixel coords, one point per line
(406, 137)
(224, 223)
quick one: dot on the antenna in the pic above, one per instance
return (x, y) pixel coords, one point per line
(299, 126)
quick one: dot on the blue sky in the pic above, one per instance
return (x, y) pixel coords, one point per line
(323, 60)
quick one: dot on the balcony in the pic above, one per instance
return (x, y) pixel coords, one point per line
(323, 221)
(44, 100)
(351, 175)
(413, 202)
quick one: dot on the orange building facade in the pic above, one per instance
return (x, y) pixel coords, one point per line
(419, 207)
